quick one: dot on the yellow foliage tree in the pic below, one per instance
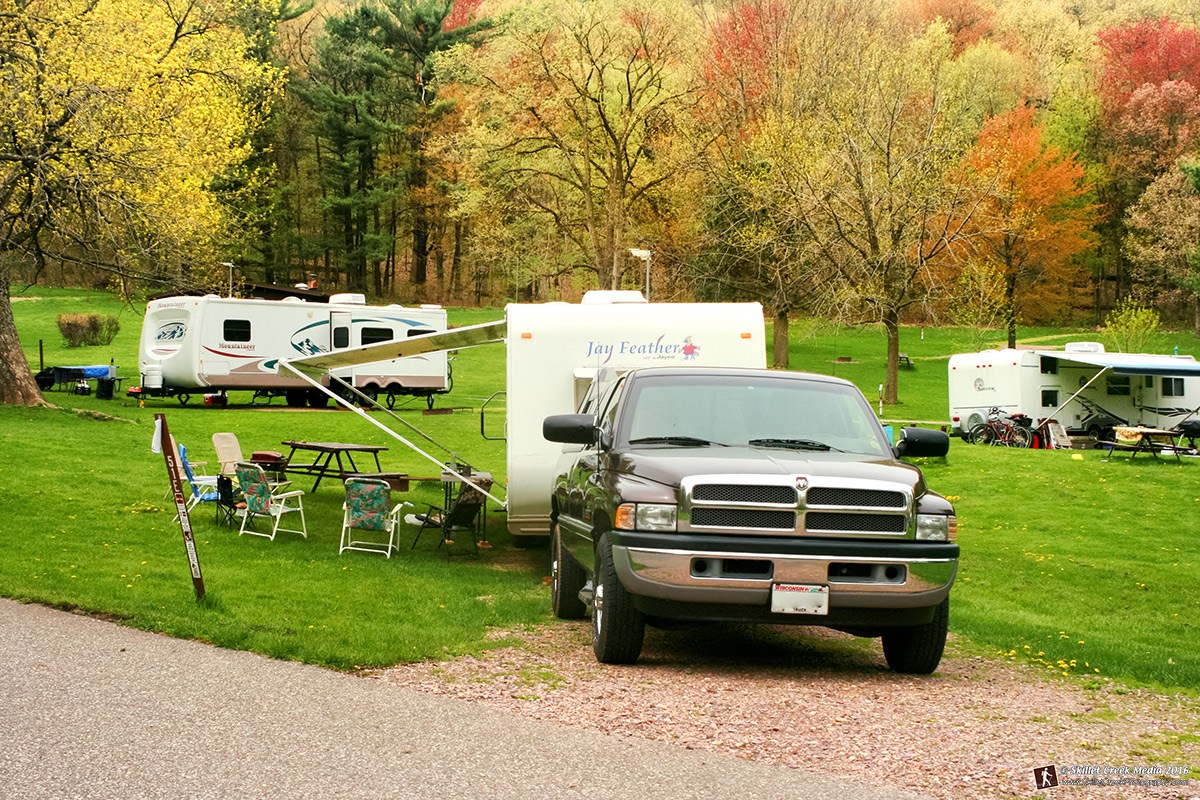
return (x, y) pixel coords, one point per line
(115, 117)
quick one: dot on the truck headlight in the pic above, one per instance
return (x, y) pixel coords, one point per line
(645, 517)
(936, 528)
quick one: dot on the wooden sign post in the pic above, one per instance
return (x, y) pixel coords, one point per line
(162, 438)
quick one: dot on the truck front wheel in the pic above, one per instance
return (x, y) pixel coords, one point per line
(918, 649)
(567, 578)
(618, 628)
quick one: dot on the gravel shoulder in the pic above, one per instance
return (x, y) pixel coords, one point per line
(818, 700)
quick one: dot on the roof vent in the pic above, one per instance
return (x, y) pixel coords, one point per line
(1083, 347)
(349, 299)
(604, 297)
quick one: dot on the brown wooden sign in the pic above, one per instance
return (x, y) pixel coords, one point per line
(163, 438)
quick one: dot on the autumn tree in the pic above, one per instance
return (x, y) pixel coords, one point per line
(1150, 94)
(867, 178)
(115, 119)
(579, 109)
(1163, 243)
(1032, 219)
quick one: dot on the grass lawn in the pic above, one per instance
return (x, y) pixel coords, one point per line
(1075, 563)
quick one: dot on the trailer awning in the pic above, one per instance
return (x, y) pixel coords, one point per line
(1132, 363)
(456, 339)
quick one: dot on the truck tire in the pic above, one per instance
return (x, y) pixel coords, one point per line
(295, 398)
(618, 628)
(567, 578)
(918, 649)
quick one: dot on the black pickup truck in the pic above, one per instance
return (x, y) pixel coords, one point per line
(697, 494)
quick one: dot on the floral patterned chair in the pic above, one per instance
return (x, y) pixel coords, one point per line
(264, 499)
(368, 524)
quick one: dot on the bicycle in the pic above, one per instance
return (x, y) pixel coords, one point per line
(1002, 429)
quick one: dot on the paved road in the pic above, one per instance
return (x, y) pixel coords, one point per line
(90, 709)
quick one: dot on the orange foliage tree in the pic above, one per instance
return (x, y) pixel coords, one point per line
(1033, 217)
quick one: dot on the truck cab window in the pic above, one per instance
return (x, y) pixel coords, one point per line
(376, 335)
(236, 330)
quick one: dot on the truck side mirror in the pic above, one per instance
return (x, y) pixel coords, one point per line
(570, 428)
(915, 442)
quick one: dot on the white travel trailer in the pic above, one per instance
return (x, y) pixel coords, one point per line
(1082, 387)
(214, 344)
(555, 350)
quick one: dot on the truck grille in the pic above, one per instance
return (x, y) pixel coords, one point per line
(744, 493)
(744, 518)
(857, 507)
(863, 498)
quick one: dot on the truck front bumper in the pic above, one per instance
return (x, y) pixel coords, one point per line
(740, 571)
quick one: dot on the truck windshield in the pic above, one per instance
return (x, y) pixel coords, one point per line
(784, 412)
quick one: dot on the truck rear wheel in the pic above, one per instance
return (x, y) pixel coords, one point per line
(918, 649)
(567, 578)
(618, 628)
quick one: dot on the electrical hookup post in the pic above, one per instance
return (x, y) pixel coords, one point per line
(161, 443)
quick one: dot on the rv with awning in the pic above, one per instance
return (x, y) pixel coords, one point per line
(1082, 387)
(554, 351)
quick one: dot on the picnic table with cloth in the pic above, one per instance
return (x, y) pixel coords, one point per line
(1146, 440)
(326, 454)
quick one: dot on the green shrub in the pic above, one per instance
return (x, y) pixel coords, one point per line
(88, 329)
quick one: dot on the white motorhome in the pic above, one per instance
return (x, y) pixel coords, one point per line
(1082, 387)
(213, 344)
(555, 350)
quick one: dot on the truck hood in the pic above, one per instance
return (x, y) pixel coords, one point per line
(669, 465)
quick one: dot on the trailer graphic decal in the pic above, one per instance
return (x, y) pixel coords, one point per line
(170, 332)
(652, 350)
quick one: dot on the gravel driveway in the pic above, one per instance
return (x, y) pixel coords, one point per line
(818, 700)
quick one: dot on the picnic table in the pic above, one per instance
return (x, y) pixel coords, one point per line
(326, 454)
(1154, 441)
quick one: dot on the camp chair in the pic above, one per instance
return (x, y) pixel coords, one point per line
(263, 500)
(366, 512)
(229, 451)
(462, 517)
(204, 487)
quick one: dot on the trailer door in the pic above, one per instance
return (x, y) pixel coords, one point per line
(339, 329)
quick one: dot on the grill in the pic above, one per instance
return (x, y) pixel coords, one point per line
(854, 523)
(743, 518)
(857, 498)
(742, 493)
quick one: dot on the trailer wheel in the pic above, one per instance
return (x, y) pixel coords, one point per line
(618, 628)
(567, 578)
(295, 398)
(317, 398)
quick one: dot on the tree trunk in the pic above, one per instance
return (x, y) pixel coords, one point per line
(779, 352)
(17, 387)
(891, 387)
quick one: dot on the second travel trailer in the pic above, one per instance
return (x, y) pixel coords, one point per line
(1082, 387)
(215, 344)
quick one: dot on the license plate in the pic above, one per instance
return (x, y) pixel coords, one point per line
(799, 598)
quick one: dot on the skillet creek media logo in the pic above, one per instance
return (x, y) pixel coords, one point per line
(1051, 776)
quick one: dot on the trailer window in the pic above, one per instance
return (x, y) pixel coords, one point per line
(236, 330)
(1049, 398)
(376, 335)
(1049, 366)
(419, 331)
(341, 337)
(1172, 387)
(1117, 385)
